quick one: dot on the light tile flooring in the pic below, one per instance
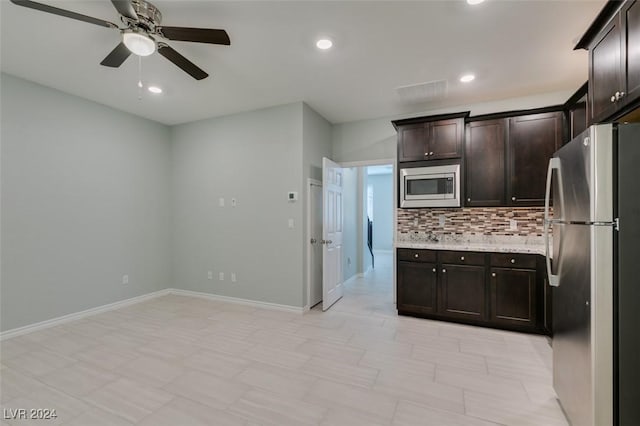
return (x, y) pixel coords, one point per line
(190, 361)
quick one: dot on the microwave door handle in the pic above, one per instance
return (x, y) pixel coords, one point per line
(554, 164)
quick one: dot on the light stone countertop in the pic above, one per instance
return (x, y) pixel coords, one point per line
(481, 243)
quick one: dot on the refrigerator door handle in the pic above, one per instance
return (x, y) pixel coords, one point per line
(554, 164)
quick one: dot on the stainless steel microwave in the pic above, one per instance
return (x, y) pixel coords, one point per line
(432, 186)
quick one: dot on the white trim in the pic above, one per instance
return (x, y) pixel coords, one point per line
(307, 240)
(138, 299)
(79, 315)
(247, 302)
(363, 274)
(353, 278)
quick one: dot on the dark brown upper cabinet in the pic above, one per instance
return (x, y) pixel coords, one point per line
(532, 141)
(485, 163)
(430, 138)
(613, 41)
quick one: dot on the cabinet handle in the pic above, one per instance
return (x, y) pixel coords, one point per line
(613, 98)
(426, 154)
(619, 95)
(462, 258)
(444, 270)
(434, 270)
(513, 261)
(431, 153)
(513, 198)
(416, 255)
(493, 274)
(469, 199)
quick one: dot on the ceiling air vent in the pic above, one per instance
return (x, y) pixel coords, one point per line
(423, 92)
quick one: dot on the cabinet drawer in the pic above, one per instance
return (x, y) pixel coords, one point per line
(415, 255)
(513, 260)
(462, 258)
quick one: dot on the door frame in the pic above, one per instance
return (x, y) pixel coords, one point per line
(394, 172)
(310, 182)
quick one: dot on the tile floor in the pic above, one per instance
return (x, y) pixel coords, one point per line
(189, 361)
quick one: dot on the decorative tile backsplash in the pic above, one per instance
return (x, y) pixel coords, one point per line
(472, 221)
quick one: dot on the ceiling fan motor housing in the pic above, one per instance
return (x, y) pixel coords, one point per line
(149, 17)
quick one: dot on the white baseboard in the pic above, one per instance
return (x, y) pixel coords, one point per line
(122, 303)
(363, 274)
(248, 302)
(79, 315)
(352, 278)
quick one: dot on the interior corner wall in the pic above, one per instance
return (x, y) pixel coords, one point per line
(84, 201)
(256, 158)
(316, 144)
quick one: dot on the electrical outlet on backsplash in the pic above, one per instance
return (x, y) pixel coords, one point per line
(485, 221)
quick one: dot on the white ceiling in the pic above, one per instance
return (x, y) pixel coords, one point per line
(515, 48)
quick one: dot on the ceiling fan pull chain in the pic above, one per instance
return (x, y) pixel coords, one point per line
(139, 78)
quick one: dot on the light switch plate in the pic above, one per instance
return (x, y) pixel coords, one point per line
(221, 276)
(291, 223)
(234, 202)
(221, 202)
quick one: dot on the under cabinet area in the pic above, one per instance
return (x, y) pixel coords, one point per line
(500, 290)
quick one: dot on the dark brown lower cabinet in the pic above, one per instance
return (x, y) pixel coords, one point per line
(417, 287)
(462, 291)
(489, 289)
(513, 296)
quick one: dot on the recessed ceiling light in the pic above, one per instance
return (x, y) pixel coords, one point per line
(154, 89)
(474, 2)
(324, 44)
(467, 78)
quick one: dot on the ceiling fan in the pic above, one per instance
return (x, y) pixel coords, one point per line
(142, 27)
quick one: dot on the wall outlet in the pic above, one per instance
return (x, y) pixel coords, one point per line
(441, 220)
(125, 279)
(209, 275)
(291, 223)
(233, 277)
(221, 202)
(513, 225)
(221, 276)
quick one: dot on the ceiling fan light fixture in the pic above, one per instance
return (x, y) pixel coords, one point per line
(138, 43)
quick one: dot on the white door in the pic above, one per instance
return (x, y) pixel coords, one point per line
(315, 291)
(332, 176)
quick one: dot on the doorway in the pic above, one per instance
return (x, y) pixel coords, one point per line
(368, 261)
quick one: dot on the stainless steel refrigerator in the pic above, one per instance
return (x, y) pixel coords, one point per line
(593, 263)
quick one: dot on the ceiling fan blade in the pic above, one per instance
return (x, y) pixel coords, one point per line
(125, 8)
(117, 56)
(62, 12)
(198, 35)
(182, 62)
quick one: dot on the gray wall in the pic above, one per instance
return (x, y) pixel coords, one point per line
(316, 143)
(255, 157)
(85, 200)
(383, 211)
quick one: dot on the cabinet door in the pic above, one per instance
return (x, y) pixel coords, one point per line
(412, 142)
(513, 296)
(462, 292)
(631, 47)
(416, 287)
(484, 156)
(605, 72)
(532, 141)
(445, 139)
